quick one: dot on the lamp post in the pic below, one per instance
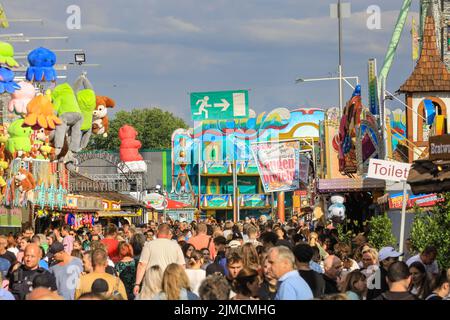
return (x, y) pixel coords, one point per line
(345, 79)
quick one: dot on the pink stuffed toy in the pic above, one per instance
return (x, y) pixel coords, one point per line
(21, 98)
(129, 147)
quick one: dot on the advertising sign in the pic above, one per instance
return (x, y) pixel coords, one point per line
(278, 165)
(439, 147)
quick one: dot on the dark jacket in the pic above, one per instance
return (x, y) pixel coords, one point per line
(396, 296)
(330, 285)
(21, 281)
(373, 293)
(315, 281)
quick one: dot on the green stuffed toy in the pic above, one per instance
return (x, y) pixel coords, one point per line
(66, 105)
(19, 139)
(7, 55)
(87, 103)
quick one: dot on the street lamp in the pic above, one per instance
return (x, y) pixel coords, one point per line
(345, 79)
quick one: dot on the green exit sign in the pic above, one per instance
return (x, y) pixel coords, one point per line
(219, 105)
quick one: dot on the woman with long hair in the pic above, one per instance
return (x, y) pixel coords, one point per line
(246, 284)
(152, 283)
(195, 272)
(420, 285)
(250, 257)
(126, 268)
(175, 285)
(187, 249)
(355, 285)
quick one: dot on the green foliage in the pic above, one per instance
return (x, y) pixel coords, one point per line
(155, 128)
(380, 232)
(344, 236)
(433, 229)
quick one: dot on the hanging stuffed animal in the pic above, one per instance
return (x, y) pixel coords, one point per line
(41, 114)
(41, 67)
(24, 180)
(21, 98)
(337, 209)
(19, 144)
(68, 111)
(7, 55)
(100, 125)
(7, 83)
(87, 102)
(39, 137)
(3, 166)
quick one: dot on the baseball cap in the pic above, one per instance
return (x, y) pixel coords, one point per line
(388, 252)
(55, 248)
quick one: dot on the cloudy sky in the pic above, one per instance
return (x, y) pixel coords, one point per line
(154, 52)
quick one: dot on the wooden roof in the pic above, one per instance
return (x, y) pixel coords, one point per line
(430, 73)
(125, 200)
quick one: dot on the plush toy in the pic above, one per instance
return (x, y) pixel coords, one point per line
(19, 139)
(38, 137)
(87, 103)
(41, 114)
(132, 161)
(7, 83)
(21, 98)
(68, 111)
(3, 166)
(7, 55)
(129, 146)
(100, 124)
(41, 62)
(337, 209)
(47, 151)
(24, 180)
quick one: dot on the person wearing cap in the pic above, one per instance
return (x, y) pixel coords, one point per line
(21, 280)
(377, 284)
(67, 270)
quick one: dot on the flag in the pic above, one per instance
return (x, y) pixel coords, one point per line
(415, 40)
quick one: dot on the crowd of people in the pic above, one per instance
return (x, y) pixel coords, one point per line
(255, 259)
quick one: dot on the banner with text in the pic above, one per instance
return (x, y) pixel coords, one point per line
(278, 165)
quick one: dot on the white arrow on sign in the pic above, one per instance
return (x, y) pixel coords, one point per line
(225, 104)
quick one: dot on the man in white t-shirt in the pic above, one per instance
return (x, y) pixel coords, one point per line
(159, 252)
(427, 258)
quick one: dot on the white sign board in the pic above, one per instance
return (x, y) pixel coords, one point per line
(388, 170)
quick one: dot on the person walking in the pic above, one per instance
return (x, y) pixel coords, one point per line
(175, 285)
(67, 270)
(99, 263)
(291, 285)
(399, 280)
(159, 252)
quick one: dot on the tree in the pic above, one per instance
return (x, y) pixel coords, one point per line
(380, 232)
(155, 128)
(433, 229)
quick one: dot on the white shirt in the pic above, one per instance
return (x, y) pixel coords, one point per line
(196, 276)
(161, 252)
(432, 268)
